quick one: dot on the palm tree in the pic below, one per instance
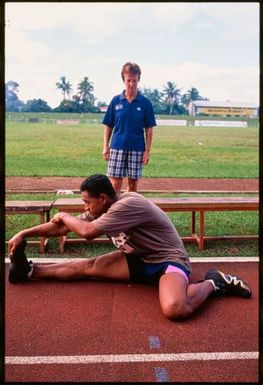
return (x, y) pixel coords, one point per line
(156, 99)
(64, 86)
(11, 90)
(85, 88)
(172, 94)
(191, 95)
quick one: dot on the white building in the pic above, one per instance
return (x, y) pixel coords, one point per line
(217, 108)
(103, 108)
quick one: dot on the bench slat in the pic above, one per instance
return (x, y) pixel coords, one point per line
(195, 204)
(28, 205)
(41, 208)
(191, 204)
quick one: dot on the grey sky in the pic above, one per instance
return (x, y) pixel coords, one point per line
(211, 46)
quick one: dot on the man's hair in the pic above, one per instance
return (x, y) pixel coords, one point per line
(98, 184)
(132, 68)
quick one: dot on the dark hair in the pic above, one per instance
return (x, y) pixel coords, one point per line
(98, 184)
(132, 68)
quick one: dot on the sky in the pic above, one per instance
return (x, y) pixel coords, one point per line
(212, 46)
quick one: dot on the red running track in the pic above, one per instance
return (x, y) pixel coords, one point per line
(95, 332)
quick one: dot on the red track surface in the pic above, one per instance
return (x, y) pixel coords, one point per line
(108, 318)
(46, 183)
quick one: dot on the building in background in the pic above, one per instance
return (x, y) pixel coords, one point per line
(103, 108)
(217, 108)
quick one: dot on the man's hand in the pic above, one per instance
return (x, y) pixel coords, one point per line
(57, 218)
(13, 243)
(106, 153)
(146, 157)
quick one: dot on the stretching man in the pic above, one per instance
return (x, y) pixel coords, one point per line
(149, 250)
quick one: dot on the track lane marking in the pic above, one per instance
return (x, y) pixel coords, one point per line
(117, 358)
(154, 342)
(161, 375)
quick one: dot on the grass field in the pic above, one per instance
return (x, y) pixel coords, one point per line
(45, 148)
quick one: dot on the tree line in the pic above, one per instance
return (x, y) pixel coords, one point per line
(168, 101)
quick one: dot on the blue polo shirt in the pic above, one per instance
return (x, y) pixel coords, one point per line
(129, 121)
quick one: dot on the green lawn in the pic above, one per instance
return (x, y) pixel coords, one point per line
(44, 148)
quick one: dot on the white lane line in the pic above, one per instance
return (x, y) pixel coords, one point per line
(192, 260)
(108, 358)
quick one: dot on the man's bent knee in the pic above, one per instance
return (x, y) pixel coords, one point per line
(177, 310)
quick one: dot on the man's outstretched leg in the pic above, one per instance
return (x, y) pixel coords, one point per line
(20, 269)
(107, 266)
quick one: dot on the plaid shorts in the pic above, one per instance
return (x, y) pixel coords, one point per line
(123, 162)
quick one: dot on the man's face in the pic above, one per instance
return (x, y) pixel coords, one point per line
(131, 81)
(95, 206)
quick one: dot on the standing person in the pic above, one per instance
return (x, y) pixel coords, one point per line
(128, 131)
(149, 250)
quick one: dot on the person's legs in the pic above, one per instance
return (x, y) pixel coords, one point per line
(134, 169)
(117, 168)
(108, 266)
(116, 183)
(132, 184)
(178, 299)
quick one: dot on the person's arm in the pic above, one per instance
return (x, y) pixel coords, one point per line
(148, 142)
(55, 228)
(47, 230)
(82, 228)
(106, 141)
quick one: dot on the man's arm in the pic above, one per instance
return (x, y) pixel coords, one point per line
(55, 228)
(148, 142)
(82, 228)
(106, 140)
(47, 230)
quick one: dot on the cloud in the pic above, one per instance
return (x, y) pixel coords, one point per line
(100, 21)
(95, 22)
(193, 44)
(215, 83)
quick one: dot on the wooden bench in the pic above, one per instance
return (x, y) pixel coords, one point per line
(194, 205)
(41, 208)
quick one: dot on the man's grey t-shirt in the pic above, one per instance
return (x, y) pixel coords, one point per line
(136, 225)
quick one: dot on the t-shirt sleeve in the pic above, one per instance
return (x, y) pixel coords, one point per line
(120, 218)
(149, 119)
(109, 117)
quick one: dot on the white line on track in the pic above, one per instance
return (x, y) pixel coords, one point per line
(117, 358)
(192, 260)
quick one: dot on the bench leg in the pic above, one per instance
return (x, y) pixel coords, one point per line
(48, 216)
(62, 241)
(42, 239)
(201, 230)
(193, 223)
